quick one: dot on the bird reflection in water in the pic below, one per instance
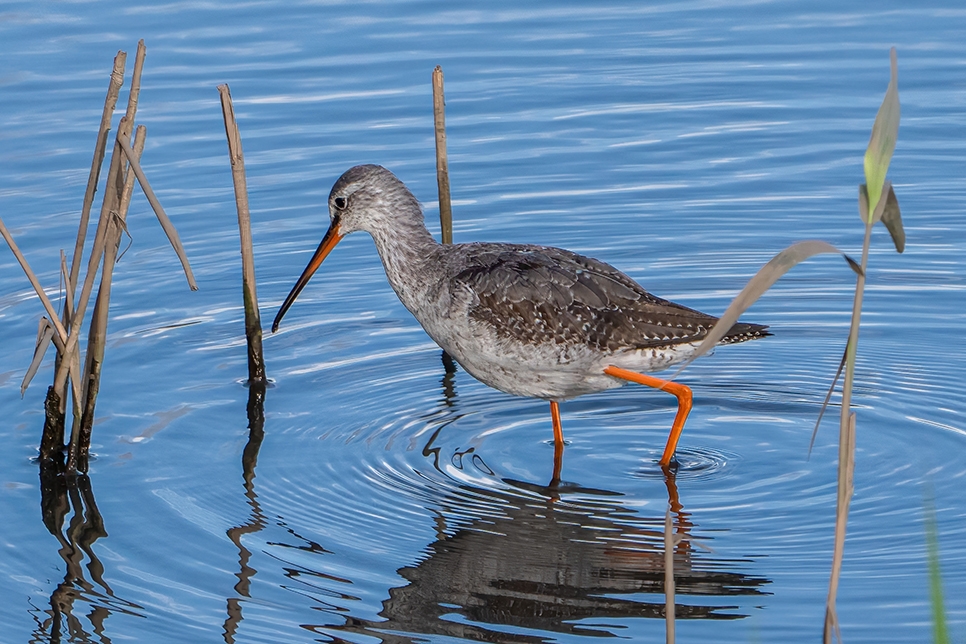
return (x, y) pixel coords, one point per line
(507, 563)
(61, 494)
(558, 558)
(554, 565)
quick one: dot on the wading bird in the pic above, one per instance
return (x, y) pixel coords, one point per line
(529, 320)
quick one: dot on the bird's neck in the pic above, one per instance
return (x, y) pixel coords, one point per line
(406, 251)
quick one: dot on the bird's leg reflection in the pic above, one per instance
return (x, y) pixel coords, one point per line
(449, 379)
(256, 521)
(429, 449)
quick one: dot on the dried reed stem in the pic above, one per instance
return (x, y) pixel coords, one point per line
(113, 91)
(109, 205)
(442, 167)
(100, 148)
(253, 323)
(51, 311)
(97, 335)
(114, 180)
(135, 93)
(846, 443)
(166, 224)
(52, 428)
(107, 224)
(68, 295)
(846, 475)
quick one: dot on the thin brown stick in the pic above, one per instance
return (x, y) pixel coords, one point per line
(48, 305)
(253, 323)
(442, 166)
(68, 295)
(847, 488)
(109, 204)
(166, 224)
(100, 149)
(668, 578)
(97, 335)
(844, 494)
(115, 176)
(45, 333)
(120, 183)
(135, 93)
(55, 424)
(62, 334)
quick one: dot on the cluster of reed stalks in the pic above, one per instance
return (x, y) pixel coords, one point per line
(64, 328)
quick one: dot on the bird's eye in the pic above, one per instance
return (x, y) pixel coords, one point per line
(339, 203)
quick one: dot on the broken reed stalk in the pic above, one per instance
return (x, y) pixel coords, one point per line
(121, 146)
(166, 225)
(110, 224)
(48, 305)
(113, 91)
(442, 167)
(846, 445)
(107, 224)
(846, 476)
(110, 101)
(71, 352)
(113, 197)
(93, 262)
(668, 578)
(100, 147)
(32, 277)
(253, 323)
(97, 335)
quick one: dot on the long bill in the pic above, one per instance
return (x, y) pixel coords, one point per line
(332, 237)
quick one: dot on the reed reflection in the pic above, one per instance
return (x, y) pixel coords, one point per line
(256, 519)
(63, 496)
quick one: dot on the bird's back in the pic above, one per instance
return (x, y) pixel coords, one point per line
(544, 295)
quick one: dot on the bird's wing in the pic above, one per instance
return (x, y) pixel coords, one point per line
(539, 294)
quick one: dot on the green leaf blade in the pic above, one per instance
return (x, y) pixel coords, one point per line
(885, 131)
(766, 276)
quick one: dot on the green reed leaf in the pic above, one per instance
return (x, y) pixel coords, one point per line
(892, 219)
(887, 211)
(885, 130)
(766, 276)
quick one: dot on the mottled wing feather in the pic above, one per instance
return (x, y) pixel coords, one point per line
(536, 294)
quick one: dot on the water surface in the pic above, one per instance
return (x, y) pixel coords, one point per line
(389, 501)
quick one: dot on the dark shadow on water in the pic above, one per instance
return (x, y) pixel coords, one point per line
(256, 519)
(61, 495)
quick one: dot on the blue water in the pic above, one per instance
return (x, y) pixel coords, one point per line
(683, 143)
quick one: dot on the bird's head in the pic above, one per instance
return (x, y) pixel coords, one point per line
(366, 197)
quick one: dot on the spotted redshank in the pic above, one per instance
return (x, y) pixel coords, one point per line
(529, 320)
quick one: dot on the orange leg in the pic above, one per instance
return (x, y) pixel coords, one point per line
(557, 429)
(682, 392)
(558, 441)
